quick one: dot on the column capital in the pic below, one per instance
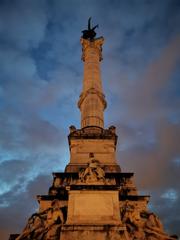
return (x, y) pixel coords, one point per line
(95, 43)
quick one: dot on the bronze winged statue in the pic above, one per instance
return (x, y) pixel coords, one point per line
(89, 33)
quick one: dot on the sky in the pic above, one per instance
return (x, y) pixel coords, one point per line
(41, 75)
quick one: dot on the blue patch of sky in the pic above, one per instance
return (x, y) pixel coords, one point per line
(173, 86)
(140, 137)
(63, 160)
(4, 204)
(176, 161)
(44, 55)
(47, 61)
(5, 187)
(44, 63)
(170, 97)
(174, 117)
(16, 153)
(173, 17)
(62, 114)
(170, 194)
(112, 100)
(151, 206)
(2, 100)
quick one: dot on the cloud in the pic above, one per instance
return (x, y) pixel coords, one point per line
(22, 205)
(167, 210)
(17, 168)
(149, 87)
(153, 162)
(41, 79)
(23, 24)
(28, 132)
(141, 97)
(149, 136)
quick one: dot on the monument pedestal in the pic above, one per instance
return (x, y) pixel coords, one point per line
(97, 207)
(96, 232)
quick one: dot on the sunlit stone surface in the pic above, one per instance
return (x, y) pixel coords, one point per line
(92, 198)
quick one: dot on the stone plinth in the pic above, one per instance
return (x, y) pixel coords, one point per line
(97, 207)
(94, 232)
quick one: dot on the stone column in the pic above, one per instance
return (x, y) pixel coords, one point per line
(92, 100)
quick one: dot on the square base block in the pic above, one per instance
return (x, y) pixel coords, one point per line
(93, 207)
(96, 232)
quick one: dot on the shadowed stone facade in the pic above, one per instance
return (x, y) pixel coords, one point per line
(93, 198)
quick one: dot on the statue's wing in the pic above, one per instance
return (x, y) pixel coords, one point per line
(95, 27)
(89, 23)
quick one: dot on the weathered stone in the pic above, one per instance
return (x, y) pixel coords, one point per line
(45, 224)
(86, 207)
(93, 174)
(99, 232)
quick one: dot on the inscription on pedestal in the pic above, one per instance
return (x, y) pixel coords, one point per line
(87, 207)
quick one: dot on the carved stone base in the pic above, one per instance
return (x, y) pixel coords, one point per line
(89, 232)
(97, 207)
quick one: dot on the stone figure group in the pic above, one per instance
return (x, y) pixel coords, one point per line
(44, 225)
(142, 225)
(89, 33)
(93, 173)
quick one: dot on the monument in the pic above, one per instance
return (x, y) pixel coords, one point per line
(92, 198)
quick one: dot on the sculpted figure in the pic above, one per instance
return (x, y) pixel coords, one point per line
(54, 221)
(89, 33)
(35, 227)
(92, 173)
(92, 177)
(81, 175)
(153, 224)
(57, 182)
(131, 217)
(52, 191)
(143, 225)
(54, 214)
(100, 172)
(46, 223)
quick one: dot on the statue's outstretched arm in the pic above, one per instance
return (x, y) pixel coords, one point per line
(95, 27)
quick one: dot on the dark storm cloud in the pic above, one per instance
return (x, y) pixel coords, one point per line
(21, 204)
(167, 209)
(149, 144)
(153, 156)
(17, 17)
(145, 106)
(12, 173)
(28, 132)
(40, 81)
(142, 95)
